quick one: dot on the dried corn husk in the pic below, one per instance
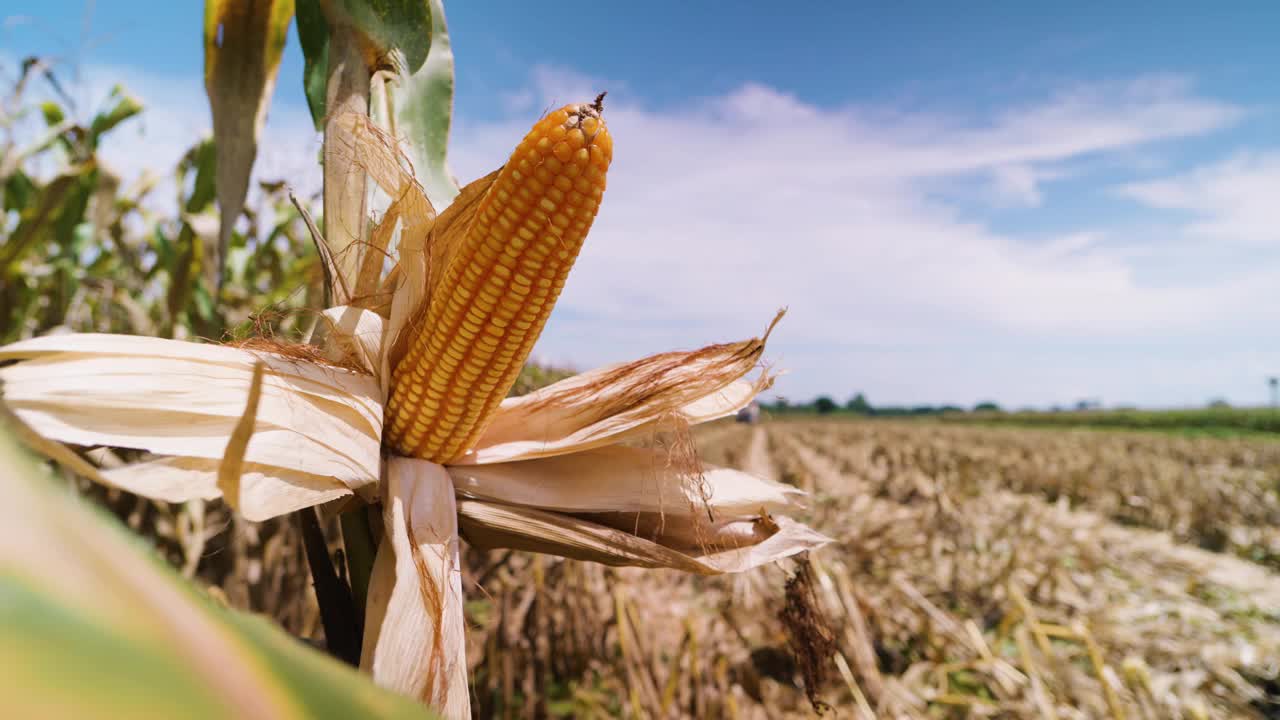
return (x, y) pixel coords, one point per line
(620, 402)
(414, 630)
(622, 479)
(317, 434)
(490, 525)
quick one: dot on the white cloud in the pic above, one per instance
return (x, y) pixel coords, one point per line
(1235, 200)
(1017, 185)
(757, 184)
(721, 210)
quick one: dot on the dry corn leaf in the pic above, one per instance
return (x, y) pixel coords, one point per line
(790, 538)
(691, 532)
(375, 258)
(154, 406)
(411, 214)
(377, 154)
(355, 142)
(51, 449)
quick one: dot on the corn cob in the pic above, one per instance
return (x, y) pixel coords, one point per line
(500, 287)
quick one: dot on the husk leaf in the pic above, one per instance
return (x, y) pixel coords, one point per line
(357, 140)
(492, 525)
(265, 491)
(316, 435)
(619, 402)
(414, 641)
(622, 479)
(355, 334)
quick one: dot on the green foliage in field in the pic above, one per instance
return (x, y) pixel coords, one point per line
(534, 376)
(1215, 420)
(1218, 418)
(80, 250)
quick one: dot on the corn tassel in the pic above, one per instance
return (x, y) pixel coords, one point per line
(467, 348)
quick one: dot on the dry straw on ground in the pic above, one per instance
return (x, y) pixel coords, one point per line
(952, 591)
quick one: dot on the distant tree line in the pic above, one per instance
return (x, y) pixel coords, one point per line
(1216, 417)
(858, 405)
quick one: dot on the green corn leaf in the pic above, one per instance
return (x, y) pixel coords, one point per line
(163, 249)
(201, 161)
(19, 192)
(205, 308)
(423, 104)
(120, 107)
(393, 35)
(93, 625)
(38, 216)
(313, 36)
(52, 112)
(390, 25)
(72, 214)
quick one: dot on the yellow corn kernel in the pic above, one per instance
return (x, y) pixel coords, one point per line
(500, 287)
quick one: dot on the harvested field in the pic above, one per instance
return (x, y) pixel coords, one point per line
(977, 572)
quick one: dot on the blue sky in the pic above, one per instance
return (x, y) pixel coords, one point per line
(1003, 201)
